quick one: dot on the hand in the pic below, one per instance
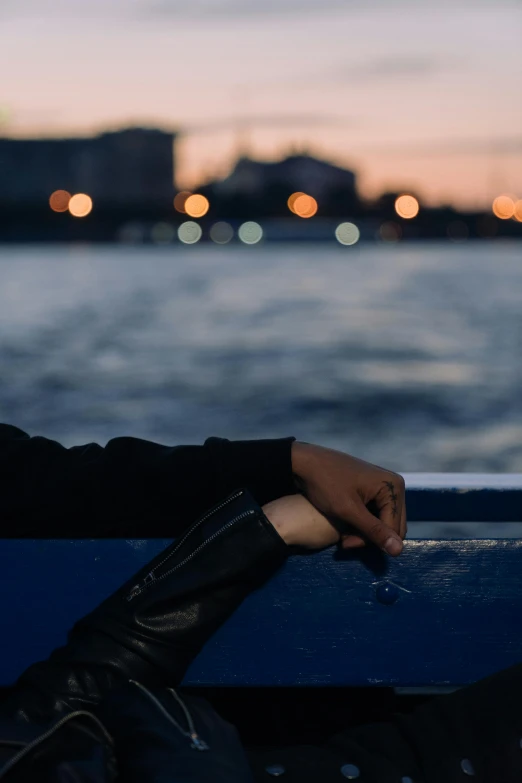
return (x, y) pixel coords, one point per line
(299, 523)
(342, 487)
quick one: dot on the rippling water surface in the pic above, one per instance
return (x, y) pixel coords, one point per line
(409, 356)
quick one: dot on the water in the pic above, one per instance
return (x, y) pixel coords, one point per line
(408, 356)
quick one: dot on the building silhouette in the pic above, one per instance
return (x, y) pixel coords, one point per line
(263, 187)
(297, 172)
(130, 176)
(117, 169)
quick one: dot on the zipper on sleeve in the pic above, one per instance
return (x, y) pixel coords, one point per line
(153, 575)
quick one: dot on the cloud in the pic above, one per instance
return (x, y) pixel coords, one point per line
(395, 66)
(216, 9)
(382, 69)
(64, 9)
(391, 67)
(199, 9)
(154, 9)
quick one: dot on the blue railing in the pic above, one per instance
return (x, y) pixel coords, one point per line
(446, 612)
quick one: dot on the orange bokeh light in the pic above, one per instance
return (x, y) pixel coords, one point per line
(59, 200)
(305, 206)
(390, 232)
(407, 206)
(80, 205)
(504, 207)
(292, 200)
(518, 211)
(179, 200)
(197, 205)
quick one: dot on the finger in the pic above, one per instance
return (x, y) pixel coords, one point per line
(402, 506)
(390, 515)
(404, 521)
(403, 527)
(352, 542)
(390, 501)
(377, 531)
(349, 537)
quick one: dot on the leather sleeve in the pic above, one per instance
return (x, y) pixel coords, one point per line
(131, 487)
(155, 624)
(149, 631)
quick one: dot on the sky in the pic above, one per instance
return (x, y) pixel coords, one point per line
(412, 94)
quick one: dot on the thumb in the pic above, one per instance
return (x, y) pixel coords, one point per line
(376, 531)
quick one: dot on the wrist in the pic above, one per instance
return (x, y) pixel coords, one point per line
(280, 521)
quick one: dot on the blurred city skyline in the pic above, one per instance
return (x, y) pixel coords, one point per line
(415, 95)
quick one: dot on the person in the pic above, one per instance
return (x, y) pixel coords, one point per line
(132, 487)
(106, 707)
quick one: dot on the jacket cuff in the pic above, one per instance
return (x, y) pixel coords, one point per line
(264, 467)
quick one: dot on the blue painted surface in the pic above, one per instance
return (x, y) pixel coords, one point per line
(464, 497)
(319, 621)
(445, 612)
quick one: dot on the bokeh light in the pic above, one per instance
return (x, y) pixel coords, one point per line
(179, 200)
(80, 205)
(250, 232)
(189, 232)
(221, 233)
(131, 233)
(518, 211)
(305, 206)
(347, 233)
(389, 232)
(292, 199)
(407, 206)
(59, 200)
(197, 205)
(504, 207)
(162, 233)
(457, 231)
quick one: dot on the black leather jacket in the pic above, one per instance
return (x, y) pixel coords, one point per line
(104, 706)
(131, 488)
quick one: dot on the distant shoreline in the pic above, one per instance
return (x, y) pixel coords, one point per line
(161, 228)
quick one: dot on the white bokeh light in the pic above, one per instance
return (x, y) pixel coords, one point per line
(162, 233)
(190, 232)
(347, 234)
(250, 232)
(221, 233)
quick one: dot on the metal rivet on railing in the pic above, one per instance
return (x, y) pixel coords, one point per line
(387, 593)
(275, 770)
(350, 771)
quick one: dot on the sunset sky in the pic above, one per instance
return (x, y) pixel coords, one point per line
(413, 95)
